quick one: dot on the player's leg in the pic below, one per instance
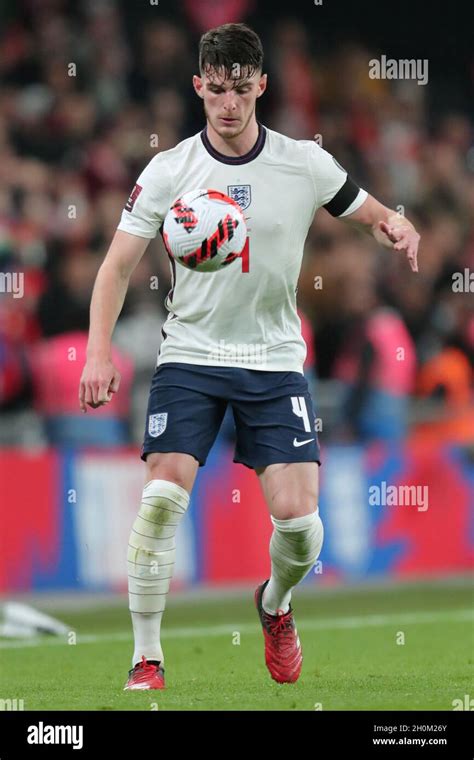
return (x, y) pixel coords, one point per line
(152, 547)
(291, 494)
(183, 421)
(276, 436)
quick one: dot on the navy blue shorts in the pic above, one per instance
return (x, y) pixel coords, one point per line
(273, 413)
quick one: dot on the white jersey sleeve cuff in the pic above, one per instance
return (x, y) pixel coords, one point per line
(133, 229)
(356, 203)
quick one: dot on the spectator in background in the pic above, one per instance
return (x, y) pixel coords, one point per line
(78, 140)
(57, 359)
(447, 374)
(376, 365)
(56, 364)
(14, 374)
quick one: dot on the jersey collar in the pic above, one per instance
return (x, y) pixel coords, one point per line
(235, 160)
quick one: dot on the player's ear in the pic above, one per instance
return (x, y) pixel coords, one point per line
(198, 86)
(262, 85)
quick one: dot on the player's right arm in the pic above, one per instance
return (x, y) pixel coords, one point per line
(100, 379)
(141, 218)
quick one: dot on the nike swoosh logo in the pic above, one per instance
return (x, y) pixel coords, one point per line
(301, 443)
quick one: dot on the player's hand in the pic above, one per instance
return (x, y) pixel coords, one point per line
(402, 238)
(99, 381)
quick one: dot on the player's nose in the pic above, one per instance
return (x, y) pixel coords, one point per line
(229, 100)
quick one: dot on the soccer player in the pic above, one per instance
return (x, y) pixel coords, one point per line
(279, 183)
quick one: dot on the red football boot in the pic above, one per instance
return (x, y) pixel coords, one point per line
(145, 675)
(283, 655)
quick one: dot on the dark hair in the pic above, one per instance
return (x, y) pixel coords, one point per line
(228, 45)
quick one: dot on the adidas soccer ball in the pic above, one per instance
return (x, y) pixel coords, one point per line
(204, 230)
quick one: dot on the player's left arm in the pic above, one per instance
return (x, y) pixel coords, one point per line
(388, 227)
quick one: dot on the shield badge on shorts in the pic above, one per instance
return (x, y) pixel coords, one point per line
(157, 424)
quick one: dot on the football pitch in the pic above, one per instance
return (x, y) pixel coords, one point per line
(382, 648)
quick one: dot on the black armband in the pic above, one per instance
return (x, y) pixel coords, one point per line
(343, 198)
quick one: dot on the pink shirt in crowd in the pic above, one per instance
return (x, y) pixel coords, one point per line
(394, 364)
(56, 366)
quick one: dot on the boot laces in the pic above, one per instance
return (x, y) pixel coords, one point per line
(143, 667)
(281, 628)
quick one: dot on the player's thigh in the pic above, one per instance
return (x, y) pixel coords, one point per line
(183, 419)
(174, 466)
(290, 490)
(276, 435)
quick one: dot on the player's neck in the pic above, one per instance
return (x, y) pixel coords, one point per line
(234, 146)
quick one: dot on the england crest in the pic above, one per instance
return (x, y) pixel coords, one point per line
(157, 424)
(241, 194)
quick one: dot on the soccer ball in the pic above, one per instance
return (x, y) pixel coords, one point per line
(204, 230)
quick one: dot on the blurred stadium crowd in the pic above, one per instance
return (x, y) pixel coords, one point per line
(83, 97)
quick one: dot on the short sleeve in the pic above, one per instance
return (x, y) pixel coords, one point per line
(149, 200)
(334, 189)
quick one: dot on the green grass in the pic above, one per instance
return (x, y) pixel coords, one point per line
(351, 660)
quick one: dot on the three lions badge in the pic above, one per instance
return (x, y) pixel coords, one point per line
(157, 424)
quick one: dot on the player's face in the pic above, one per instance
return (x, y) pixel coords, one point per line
(229, 104)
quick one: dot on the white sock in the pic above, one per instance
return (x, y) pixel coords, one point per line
(151, 556)
(294, 548)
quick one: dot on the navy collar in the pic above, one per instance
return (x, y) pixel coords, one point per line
(235, 160)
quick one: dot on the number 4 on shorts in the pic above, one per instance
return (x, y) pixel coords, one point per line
(298, 404)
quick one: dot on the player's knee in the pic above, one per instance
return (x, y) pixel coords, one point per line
(163, 505)
(287, 505)
(306, 534)
(175, 468)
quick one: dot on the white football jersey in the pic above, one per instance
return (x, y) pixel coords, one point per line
(243, 315)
